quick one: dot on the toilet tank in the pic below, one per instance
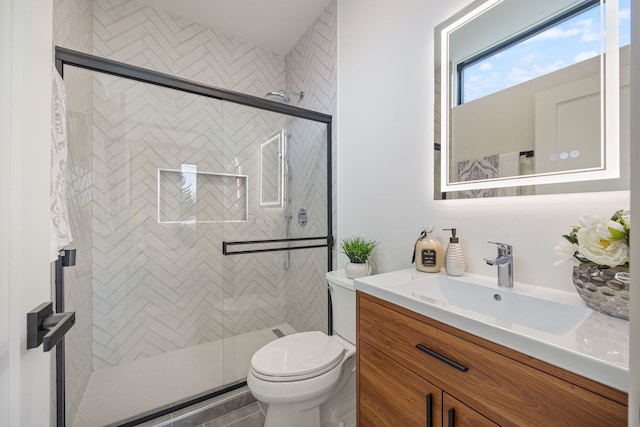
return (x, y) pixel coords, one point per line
(343, 300)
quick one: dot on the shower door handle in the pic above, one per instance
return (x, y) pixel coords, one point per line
(45, 327)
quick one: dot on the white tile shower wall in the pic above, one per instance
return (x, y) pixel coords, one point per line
(163, 287)
(306, 276)
(129, 32)
(73, 29)
(311, 67)
(152, 282)
(255, 295)
(73, 24)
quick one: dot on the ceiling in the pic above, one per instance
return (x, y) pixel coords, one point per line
(276, 25)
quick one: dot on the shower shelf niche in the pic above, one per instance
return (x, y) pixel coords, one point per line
(187, 196)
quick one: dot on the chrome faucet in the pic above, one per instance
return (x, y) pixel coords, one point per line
(504, 261)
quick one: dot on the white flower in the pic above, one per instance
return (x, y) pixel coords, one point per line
(605, 228)
(598, 240)
(594, 245)
(566, 251)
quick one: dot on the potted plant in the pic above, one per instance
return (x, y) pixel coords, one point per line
(359, 252)
(599, 248)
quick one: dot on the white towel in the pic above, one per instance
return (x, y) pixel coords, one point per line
(60, 231)
(527, 167)
(508, 165)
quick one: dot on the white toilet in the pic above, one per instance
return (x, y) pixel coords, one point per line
(308, 378)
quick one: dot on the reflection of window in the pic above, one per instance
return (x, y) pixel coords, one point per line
(565, 39)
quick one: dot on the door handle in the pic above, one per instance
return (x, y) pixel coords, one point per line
(43, 326)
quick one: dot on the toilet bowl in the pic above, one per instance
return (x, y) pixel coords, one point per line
(308, 378)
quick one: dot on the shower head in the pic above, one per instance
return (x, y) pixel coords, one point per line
(283, 96)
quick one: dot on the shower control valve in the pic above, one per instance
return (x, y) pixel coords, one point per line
(302, 217)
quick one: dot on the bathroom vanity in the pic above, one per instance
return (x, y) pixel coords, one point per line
(415, 368)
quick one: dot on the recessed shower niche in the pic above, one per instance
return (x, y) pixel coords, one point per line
(189, 196)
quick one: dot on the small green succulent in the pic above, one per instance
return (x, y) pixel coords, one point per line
(357, 249)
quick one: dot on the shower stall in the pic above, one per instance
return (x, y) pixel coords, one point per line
(202, 224)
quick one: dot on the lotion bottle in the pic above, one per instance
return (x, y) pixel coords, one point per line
(428, 253)
(454, 256)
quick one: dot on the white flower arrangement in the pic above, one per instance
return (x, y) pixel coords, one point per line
(604, 242)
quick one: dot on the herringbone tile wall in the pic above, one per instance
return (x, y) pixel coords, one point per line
(145, 274)
(135, 34)
(311, 66)
(155, 281)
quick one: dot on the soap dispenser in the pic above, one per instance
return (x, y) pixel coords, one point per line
(454, 256)
(428, 254)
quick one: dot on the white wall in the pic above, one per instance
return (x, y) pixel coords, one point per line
(5, 190)
(25, 109)
(385, 177)
(634, 383)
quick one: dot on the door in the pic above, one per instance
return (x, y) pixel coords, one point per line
(391, 395)
(25, 117)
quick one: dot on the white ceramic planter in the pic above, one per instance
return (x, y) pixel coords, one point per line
(355, 270)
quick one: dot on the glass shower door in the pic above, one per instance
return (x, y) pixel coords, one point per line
(271, 288)
(147, 189)
(202, 230)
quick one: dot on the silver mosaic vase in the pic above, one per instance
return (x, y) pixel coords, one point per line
(603, 289)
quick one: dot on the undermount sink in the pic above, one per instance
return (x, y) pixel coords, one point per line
(500, 306)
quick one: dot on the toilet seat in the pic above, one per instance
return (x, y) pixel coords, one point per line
(297, 357)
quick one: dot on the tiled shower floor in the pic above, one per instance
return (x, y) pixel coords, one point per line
(151, 384)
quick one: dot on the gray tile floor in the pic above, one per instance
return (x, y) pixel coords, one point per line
(249, 416)
(236, 409)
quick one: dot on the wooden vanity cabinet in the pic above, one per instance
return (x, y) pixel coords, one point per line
(403, 357)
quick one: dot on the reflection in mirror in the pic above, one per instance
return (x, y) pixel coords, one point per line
(522, 98)
(272, 158)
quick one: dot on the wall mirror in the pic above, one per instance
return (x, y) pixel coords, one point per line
(272, 170)
(532, 97)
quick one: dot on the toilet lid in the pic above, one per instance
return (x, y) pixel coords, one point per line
(297, 356)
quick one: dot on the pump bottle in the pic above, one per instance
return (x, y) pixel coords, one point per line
(454, 255)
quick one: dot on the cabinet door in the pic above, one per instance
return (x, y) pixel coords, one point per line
(391, 395)
(457, 414)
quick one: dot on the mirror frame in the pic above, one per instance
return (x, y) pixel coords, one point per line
(610, 102)
(279, 138)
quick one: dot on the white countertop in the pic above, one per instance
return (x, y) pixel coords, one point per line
(596, 346)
